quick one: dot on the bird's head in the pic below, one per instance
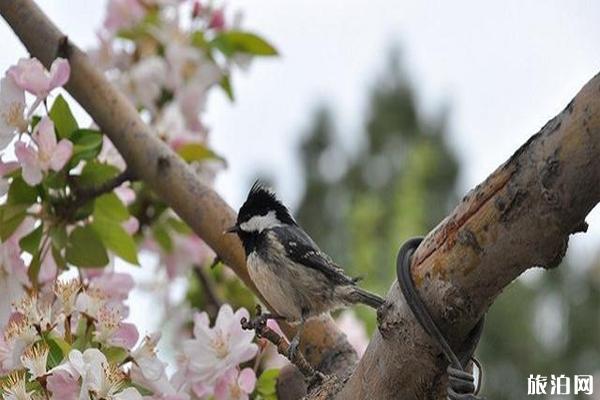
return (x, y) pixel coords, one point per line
(261, 210)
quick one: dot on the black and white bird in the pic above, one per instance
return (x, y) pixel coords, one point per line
(294, 276)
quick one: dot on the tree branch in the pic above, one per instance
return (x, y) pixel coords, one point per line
(154, 162)
(88, 193)
(520, 217)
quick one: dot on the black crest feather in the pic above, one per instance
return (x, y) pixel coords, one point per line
(261, 199)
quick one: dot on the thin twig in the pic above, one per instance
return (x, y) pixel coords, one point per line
(83, 194)
(210, 294)
(259, 325)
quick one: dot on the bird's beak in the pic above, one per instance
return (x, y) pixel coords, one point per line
(233, 229)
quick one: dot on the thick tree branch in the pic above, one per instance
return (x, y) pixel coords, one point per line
(520, 217)
(154, 162)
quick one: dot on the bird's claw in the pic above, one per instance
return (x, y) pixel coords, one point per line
(293, 350)
(259, 322)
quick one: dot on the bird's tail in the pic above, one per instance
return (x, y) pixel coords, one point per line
(368, 298)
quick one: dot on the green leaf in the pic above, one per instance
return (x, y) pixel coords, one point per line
(197, 152)
(198, 40)
(232, 42)
(179, 226)
(20, 192)
(64, 121)
(266, 384)
(11, 217)
(31, 242)
(109, 206)
(58, 234)
(55, 180)
(116, 239)
(84, 211)
(143, 390)
(83, 335)
(115, 355)
(58, 258)
(162, 237)
(34, 121)
(85, 248)
(95, 173)
(226, 86)
(34, 266)
(58, 350)
(87, 144)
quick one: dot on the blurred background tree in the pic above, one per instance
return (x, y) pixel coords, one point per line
(360, 205)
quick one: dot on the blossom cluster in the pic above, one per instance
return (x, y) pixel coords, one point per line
(69, 208)
(71, 342)
(167, 56)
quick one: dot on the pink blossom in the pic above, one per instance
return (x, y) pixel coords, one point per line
(197, 9)
(150, 372)
(18, 335)
(13, 273)
(235, 385)
(48, 269)
(97, 376)
(63, 386)
(89, 366)
(126, 194)
(216, 350)
(12, 108)
(49, 155)
(145, 81)
(126, 336)
(30, 75)
(188, 250)
(111, 330)
(217, 20)
(111, 155)
(145, 357)
(269, 355)
(123, 14)
(116, 285)
(131, 225)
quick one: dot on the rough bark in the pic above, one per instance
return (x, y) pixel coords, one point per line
(164, 171)
(520, 217)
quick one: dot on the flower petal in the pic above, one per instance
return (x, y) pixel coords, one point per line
(45, 137)
(8, 167)
(60, 70)
(27, 156)
(131, 225)
(247, 380)
(30, 75)
(12, 108)
(48, 269)
(224, 318)
(62, 154)
(63, 386)
(126, 336)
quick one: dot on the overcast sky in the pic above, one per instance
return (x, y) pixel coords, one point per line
(503, 69)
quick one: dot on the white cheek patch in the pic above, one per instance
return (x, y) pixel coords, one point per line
(258, 223)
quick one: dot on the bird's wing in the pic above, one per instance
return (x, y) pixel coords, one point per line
(302, 249)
